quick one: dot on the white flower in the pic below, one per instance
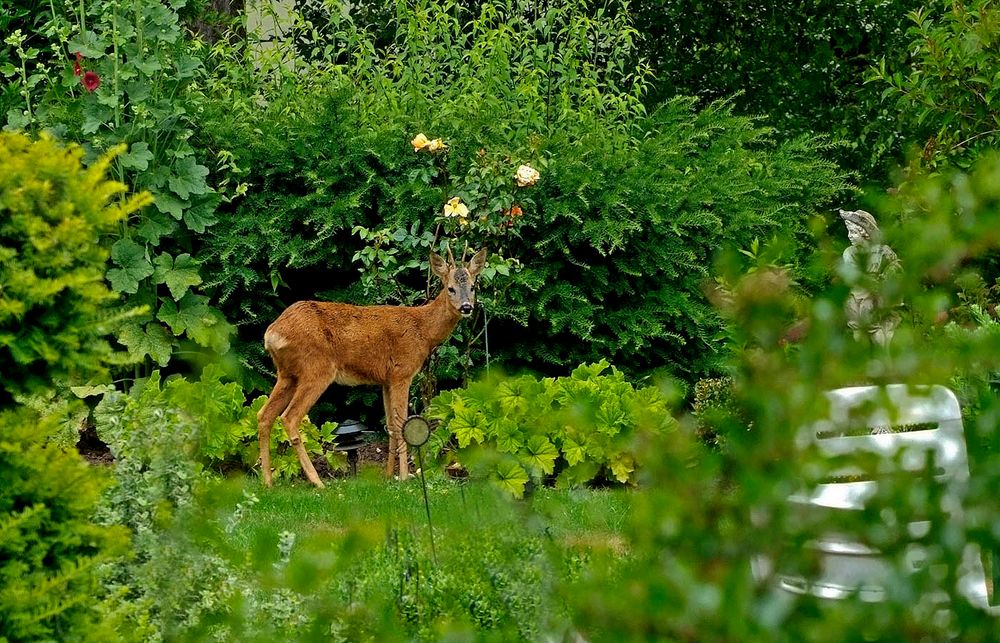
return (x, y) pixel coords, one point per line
(526, 176)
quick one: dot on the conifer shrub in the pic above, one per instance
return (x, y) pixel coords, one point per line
(623, 224)
(50, 548)
(53, 300)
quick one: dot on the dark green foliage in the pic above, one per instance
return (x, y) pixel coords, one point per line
(626, 238)
(577, 428)
(19, 41)
(624, 222)
(50, 550)
(52, 301)
(947, 93)
(802, 64)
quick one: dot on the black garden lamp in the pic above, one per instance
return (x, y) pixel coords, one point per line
(348, 437)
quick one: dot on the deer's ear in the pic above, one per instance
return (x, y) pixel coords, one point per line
(439, 265)
(477, 262)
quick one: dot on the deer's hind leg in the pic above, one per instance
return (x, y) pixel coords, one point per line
(277, 401)
(306, 394)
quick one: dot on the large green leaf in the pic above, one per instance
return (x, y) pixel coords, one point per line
(540, 454)
(178, 274)
(188, 178)
(89, 45)
(622, 466)
(134, 266)
(194, 317)
(508, 435)
(466, 427)
(169, 204)
(511, 477)
(154, 226)
(573, 452)
(137, 158)
(152, 340)
(201, 214)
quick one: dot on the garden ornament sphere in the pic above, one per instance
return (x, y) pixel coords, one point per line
(416, 430)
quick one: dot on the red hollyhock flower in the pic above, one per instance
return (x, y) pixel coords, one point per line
(91, 81)
(77, 69)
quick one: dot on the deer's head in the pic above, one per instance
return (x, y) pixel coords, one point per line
(459, 280)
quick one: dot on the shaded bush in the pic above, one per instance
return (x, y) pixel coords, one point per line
(947, 94)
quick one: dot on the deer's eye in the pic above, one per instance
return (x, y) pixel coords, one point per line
(451, 290)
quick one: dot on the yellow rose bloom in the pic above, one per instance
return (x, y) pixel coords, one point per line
(435, 145)
(455, 208)
(419, 142)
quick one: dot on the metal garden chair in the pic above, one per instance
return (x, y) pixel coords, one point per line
(898, 425)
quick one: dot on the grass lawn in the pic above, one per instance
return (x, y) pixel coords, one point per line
(456, 507)
(499, 566)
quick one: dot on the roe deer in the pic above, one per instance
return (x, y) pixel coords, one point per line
(316, 343)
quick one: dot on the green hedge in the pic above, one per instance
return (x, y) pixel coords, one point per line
(622, 228)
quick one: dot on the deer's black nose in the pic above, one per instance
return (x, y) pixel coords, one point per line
(465, 308)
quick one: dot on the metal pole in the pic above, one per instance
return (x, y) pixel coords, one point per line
(427, 504)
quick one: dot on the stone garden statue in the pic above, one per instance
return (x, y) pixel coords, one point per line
(868, 260)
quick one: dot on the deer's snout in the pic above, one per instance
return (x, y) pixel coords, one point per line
(465, 309)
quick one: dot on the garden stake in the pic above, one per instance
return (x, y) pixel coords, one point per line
(416, 430)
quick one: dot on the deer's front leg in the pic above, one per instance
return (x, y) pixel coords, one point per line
(391, 455)
(399, 402)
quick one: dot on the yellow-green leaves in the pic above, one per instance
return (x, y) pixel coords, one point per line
(511, 477)
(576, 428)
(53, 213)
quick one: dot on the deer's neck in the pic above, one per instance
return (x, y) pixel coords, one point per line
(439, 319)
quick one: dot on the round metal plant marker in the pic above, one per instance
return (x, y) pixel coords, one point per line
(416, 431)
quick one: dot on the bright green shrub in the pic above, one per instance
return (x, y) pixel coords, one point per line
(222, 427)
(52, 302)
(577, 427)
(50, 549)
(146, 95)
(172, 582)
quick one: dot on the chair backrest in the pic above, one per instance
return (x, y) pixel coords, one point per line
(900, 425)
